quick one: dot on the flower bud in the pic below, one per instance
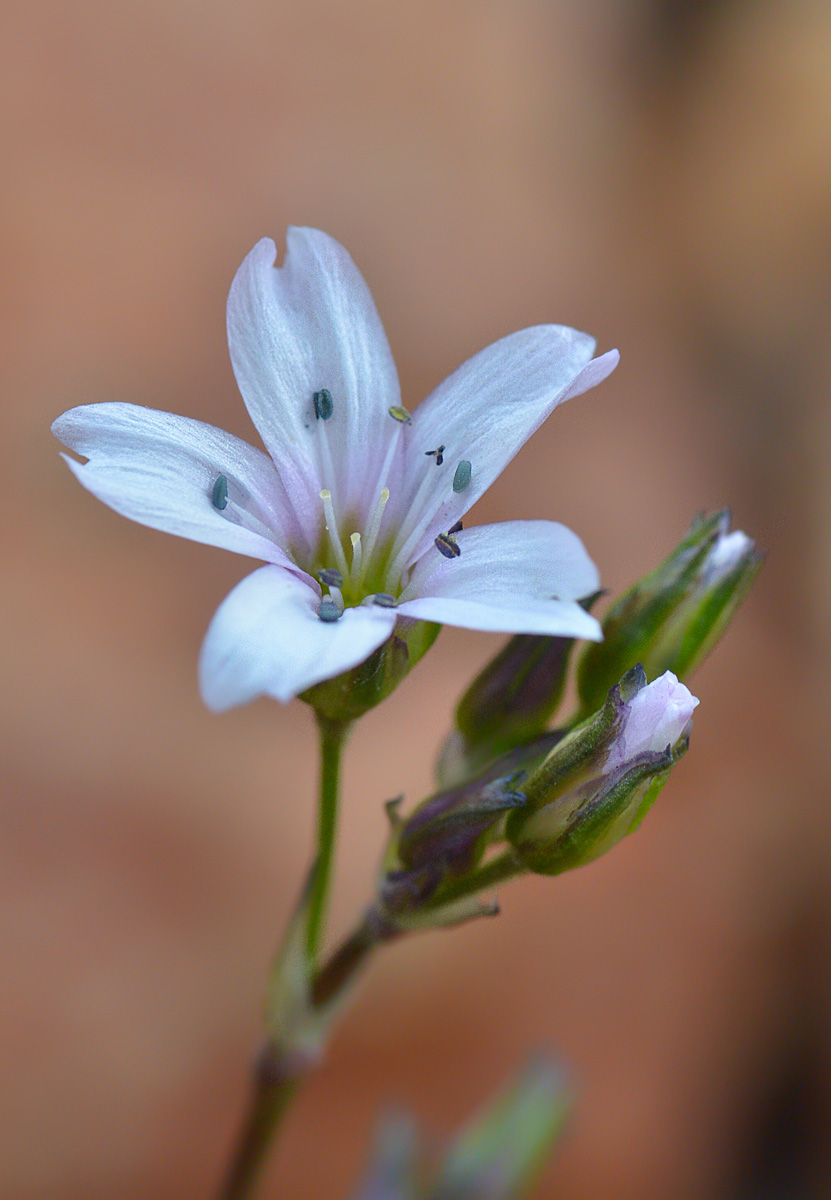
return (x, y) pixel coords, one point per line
(447, 834)
(508, 704)
(672, 618)
(600, 781)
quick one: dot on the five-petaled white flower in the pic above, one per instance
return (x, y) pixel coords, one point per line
(356, 509)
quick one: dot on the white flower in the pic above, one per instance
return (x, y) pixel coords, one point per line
(654, 718)
(353, 492)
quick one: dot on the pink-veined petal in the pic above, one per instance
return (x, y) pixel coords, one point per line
(299, 328)
(267, 639)
(160, 470)
(513, 577)
(483, 413)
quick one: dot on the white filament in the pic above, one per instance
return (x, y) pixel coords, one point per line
(333, 531)
(374, 528)
(357, 554)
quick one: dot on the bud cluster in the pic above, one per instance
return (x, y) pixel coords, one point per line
(515, 795)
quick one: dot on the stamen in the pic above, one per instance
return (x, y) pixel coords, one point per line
(412, 527)
(328, 610)
(323, 404)
(457, 528)
(384, 600)
(447, 545)
(461, 479)
(337, 595)
(399, 413)
(357, 555)
(219, 496)
(374, 526)
(331, 577)
(392, 445)
(332, 530)
(235, 503)
(437, 454)
(327, 473)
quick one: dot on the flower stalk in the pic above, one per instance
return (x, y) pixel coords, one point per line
(333, 735)
(283, 1067)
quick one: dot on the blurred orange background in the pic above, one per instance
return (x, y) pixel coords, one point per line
(657, 174)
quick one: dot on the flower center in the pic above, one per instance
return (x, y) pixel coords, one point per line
(371, 564)
(359, 560)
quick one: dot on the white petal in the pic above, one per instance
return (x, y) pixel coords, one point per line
(561, 618)
(517, 576)
(486, 410)
(529, 558)
(160, 470)
(267, 639)
(296, 329)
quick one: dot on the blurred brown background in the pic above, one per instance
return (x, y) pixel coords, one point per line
(658, 174)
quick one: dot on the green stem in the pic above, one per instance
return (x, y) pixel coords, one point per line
(497, 870)
(332, 740)
(337, 973)
(279, 1074)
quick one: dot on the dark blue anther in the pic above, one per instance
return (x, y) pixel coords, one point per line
(461, 479)
(324, 407)
(329, 611)
(447, 545)
(219, 496)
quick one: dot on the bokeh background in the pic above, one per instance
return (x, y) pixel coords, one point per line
(657, 173)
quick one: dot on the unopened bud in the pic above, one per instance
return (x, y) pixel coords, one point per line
(447, 834)
(449, 827)
(509, 703)
(672, 618)
(599, 782)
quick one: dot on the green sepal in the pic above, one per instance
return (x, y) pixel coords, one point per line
(715, 610)
(578, 752)
(581, 825)
(635, 620)
(672, 617)
(355, 692)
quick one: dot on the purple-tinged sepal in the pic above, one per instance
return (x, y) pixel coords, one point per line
(445, 838)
